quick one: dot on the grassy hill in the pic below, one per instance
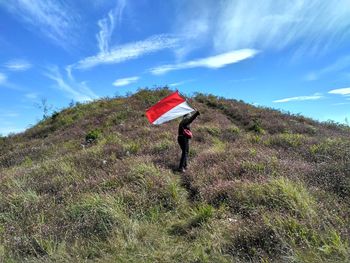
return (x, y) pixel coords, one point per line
(263, 186)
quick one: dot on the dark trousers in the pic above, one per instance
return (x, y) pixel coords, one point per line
(184, 145)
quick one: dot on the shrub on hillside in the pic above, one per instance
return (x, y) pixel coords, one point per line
(231, 133)
(210, 100)
(119, 117)
(92, 216)
(147, 186)
(19, 154)
(131, 147)
(148, 97)
(54, 115)
(256, 126)
(162, 146)
(278, 194)
(211, 130)
(286, 140)
(310, 241)
(336, 149)
(333, 176)
(201, 215)
(255, 242)
(93, 135)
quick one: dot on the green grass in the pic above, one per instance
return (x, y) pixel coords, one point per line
(277, 194)
(287, 140)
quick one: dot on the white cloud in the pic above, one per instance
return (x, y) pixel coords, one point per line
(213, 62)
(128, 51)
(119, 53)
(106, 29)
(3, 78)
(108, 24)
(18, 65)
(180, 83)
(315, 96)
(308, 25)
(125, 81)
(53, 19)
(78, 91)
(343, 91)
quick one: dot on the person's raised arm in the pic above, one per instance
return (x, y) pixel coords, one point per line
(192, 118)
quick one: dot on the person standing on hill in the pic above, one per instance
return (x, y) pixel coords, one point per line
(184, 135)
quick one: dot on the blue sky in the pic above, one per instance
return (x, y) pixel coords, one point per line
(290, 55)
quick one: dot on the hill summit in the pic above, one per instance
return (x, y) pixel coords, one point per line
(96, 182)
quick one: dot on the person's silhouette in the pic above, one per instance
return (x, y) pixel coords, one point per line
(184, 135)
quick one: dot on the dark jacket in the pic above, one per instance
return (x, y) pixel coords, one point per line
(185, 123)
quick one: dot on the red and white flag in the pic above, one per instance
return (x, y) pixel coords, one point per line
(168, 108)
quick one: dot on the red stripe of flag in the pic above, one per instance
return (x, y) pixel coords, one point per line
(164, 106)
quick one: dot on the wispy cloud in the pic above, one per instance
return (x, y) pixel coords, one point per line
(53, 19)
(266, 25)
(113, 54)
(315, 96)
(106, 29)
(213, 62)
(343, 91)
(107, 26)
(18, 65)
(180, 83)
(339, 65)
(128, 51)
(3, 78)
(125, 81)
(78, 91)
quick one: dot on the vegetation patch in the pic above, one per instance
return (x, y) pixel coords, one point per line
(278, 194)
(211, 130)
(287, 140)
(255, 243)
(93, 135)
(200, 216)
(92, 216)
(331, 148)
(310, 242)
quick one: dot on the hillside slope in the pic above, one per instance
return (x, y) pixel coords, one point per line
(262, 186)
